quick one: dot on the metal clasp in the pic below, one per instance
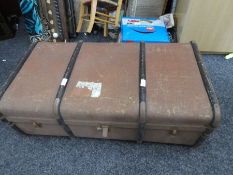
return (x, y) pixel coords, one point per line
(37, 124)
(104, 129)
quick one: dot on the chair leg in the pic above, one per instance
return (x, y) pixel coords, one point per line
(92, 16)
(118, 13)
(106, 26)
(81, 13)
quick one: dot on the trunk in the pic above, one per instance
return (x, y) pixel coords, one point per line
(141, 92)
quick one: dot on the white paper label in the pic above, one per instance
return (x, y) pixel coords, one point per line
(142, 22)
(64, 81)
(95, 88)
(143, 83)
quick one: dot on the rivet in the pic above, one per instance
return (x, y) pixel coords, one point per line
(55, 35)
(50, 12)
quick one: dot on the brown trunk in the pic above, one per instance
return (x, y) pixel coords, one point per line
(102, 100)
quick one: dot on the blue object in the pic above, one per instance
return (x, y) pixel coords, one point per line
(31, 16)
(144, 29)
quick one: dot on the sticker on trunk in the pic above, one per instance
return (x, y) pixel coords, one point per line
(95, 88)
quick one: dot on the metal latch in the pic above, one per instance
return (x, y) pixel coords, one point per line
(37, 124)
(173, 132)
(104, 130)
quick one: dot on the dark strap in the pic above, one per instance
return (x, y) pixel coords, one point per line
(209, 88)
(142, 93)
(62, 88)
(18, 68)
(10, 80)
(211, 94)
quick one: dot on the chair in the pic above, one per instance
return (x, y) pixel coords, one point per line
(99, 13)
